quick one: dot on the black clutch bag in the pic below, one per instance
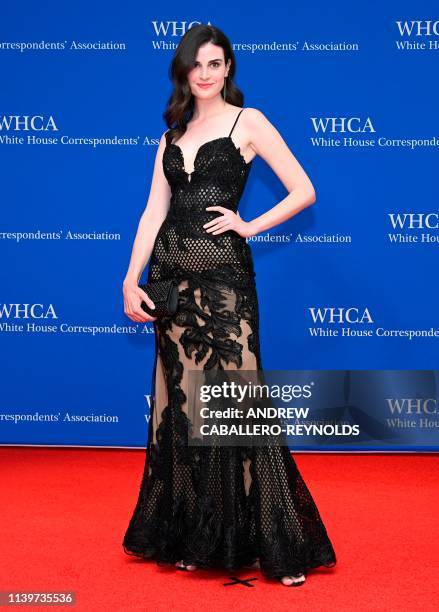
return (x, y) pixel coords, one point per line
(164, 294)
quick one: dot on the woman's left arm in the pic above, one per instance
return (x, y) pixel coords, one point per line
(267, 142)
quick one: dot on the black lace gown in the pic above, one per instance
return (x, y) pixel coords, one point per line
(219, 507)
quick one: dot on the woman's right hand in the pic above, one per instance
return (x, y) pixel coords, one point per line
(133, 296)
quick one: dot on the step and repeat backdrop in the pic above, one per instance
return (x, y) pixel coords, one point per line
(349, 286)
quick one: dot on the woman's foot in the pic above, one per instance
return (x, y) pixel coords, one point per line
(293, 580)
(181, 565)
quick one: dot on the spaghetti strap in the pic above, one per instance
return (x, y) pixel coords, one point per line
(233, 127)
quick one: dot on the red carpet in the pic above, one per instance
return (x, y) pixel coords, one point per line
(64, 513)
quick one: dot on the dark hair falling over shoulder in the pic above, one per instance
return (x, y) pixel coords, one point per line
(180, 106)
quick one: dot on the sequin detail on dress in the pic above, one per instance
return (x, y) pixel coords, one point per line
(220, 507)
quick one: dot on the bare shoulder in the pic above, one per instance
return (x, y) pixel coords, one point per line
(162, 144)
(253, 116)
(257, 128)
(256, 123)
(163, 138)
(158, 168)
(250, 112)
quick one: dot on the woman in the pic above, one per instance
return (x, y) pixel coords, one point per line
(215, 507)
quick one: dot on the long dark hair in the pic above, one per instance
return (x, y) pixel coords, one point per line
(181, 105)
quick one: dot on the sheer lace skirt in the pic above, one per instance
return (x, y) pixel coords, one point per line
(218, 507)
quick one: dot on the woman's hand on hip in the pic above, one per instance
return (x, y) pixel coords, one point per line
(229, 220)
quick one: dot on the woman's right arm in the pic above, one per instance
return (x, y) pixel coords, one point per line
(152, 218)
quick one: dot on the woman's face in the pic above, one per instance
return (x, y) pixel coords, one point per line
(209, 70)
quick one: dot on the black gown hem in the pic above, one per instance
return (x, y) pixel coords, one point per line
(151, 554)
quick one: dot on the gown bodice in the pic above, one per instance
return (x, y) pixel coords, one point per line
(219, 177)
(183, 247)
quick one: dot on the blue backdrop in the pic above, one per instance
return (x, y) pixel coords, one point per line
(353, 90)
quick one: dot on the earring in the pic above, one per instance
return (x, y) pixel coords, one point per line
(224, 95)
